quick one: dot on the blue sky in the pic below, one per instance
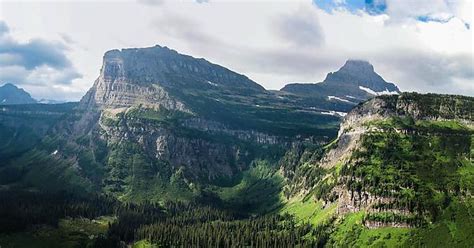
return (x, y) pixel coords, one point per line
(53, 51)
(380, 7)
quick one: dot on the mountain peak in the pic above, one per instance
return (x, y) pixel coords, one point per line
(152, 74)
(357, 66)
(160, 64)
(11, 94)
(9, 85)
(360, 73)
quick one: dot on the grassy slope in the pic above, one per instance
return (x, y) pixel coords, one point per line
(311, 211)
(257, 191)
(437, 163)
(437, 159)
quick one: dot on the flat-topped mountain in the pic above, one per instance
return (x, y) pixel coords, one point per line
(180, 125)
(354, 82)
(150, 75)
(10, 94)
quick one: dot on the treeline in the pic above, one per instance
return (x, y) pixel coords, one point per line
(169, 225)
(22, 209)
(192, 225)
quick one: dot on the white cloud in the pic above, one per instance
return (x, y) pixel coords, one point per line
(441, 10)
(269, 42)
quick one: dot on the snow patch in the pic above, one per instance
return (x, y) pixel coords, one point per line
(4, 100)
(372, 92)
(387, 92)
(334, 113)
(213, 84)
(350, 97)
(339, 99)
(368, 90)
(55, 152)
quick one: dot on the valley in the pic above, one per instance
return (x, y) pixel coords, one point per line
(168, 150)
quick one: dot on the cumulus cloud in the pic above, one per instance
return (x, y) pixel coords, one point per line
(301, 28)
(403, 12)
(35, 62)
(422, 71)
(277, 43)
(35, 53)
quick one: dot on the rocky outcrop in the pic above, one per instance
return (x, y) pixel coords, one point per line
(114, 89)
(202, 158)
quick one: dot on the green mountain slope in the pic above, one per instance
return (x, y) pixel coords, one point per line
(400, 174)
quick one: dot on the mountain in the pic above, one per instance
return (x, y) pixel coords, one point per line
(354, 82)
(158, 125)
(10, 94)
(400, 169)
(174, 150)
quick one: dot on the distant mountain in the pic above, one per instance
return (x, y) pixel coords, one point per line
(10, 94)
(354, 82)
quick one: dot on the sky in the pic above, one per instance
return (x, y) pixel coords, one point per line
(54, 49)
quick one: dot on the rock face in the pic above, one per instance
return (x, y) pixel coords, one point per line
(185, 118)
(354, 82)
(152, 76)
(10, 94)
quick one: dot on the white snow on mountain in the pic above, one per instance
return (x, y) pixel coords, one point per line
(372, 92)
(339, 99)
(334, 113)
(213, 84)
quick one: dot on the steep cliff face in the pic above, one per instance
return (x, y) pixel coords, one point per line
(116, 88)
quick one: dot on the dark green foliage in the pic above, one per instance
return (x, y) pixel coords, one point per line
(20, 210)
(202, 226)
